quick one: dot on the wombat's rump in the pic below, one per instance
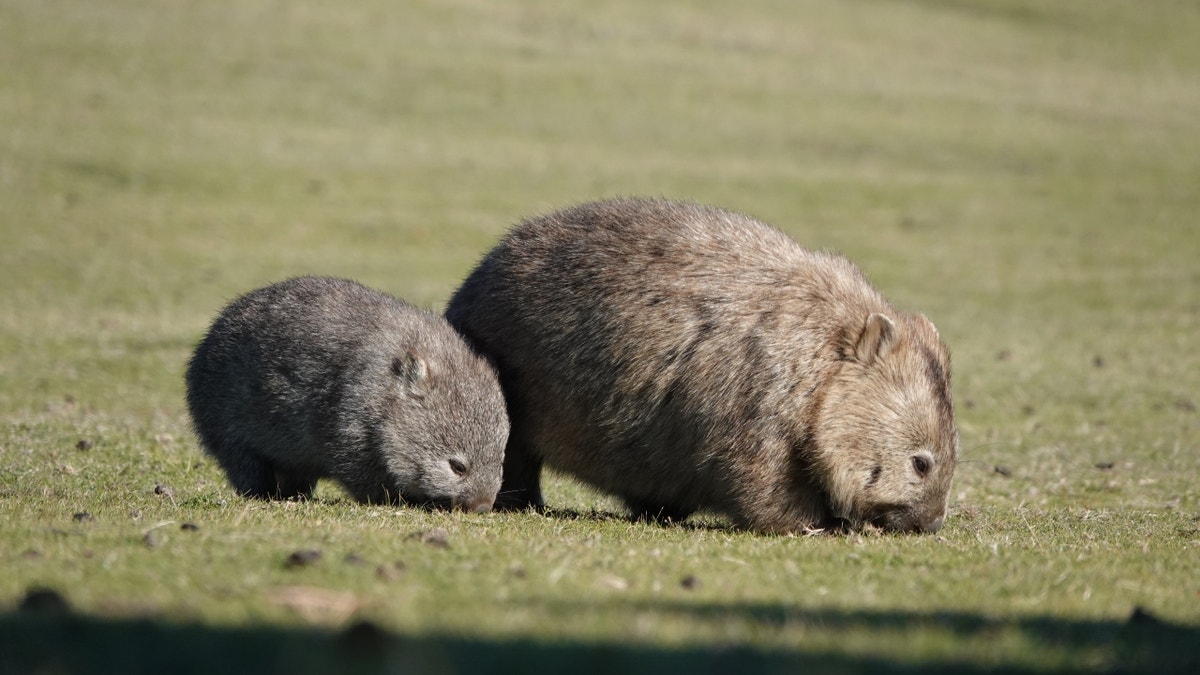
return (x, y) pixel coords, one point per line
(317, 377)
(686, 357)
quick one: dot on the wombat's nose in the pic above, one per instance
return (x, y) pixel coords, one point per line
(935, 524)
(479, 505)
(472, 504)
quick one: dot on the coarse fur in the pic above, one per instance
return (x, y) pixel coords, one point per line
(317, 377)
(685, 357)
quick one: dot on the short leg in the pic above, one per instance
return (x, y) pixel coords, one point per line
(255, 477)
(377, 493)
(251, 475)
(367, 481)
(521, 487)
(289, 485)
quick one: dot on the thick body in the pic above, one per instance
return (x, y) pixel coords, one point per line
(685, 357)
(317, 377)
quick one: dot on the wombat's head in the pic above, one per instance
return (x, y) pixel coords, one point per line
(886, 442)
(444, 430)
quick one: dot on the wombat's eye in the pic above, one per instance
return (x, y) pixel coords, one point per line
(457, 466)
(920, 465)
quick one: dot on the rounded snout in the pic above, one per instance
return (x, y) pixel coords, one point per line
(908, 520)
(473, 504)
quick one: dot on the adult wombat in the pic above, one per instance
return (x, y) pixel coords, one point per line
(316, 377)
(686, 357)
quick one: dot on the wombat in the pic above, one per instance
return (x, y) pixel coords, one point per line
(317, 377)
(685, 357)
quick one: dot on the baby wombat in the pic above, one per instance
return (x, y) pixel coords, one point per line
(316, 377)
(686, 357)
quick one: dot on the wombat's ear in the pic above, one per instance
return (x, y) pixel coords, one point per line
(412, 373)
(876, 339)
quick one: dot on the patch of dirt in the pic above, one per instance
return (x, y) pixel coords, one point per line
(316, 605)
(612, 582)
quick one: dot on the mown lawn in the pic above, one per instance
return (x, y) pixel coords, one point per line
(1026, 173)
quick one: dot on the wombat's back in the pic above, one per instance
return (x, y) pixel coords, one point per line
(679, 356)
(273, 356)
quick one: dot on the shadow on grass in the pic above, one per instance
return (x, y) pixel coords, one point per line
(693, 524)
(60, 642)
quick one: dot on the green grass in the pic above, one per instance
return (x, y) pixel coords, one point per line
(1024, 172)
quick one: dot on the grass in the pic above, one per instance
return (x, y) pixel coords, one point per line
(1023, 172)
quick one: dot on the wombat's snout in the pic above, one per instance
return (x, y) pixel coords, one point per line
(475, 505)
(907, 520)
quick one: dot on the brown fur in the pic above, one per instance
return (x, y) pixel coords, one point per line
(685, 358)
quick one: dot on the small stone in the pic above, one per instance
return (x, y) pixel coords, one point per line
(1104, 466)
(164, 490)
(1097, 361)
(690, 582)
(83, 517)
(1004, 470)
(189, 527)
(438, 537)
(302, 558)
(83, 445)
(390, 571)
(154, 539)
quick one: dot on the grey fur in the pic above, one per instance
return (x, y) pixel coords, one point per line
(684, 358)
(317, 377)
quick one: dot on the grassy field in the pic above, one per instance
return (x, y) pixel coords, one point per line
(1027, 173)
